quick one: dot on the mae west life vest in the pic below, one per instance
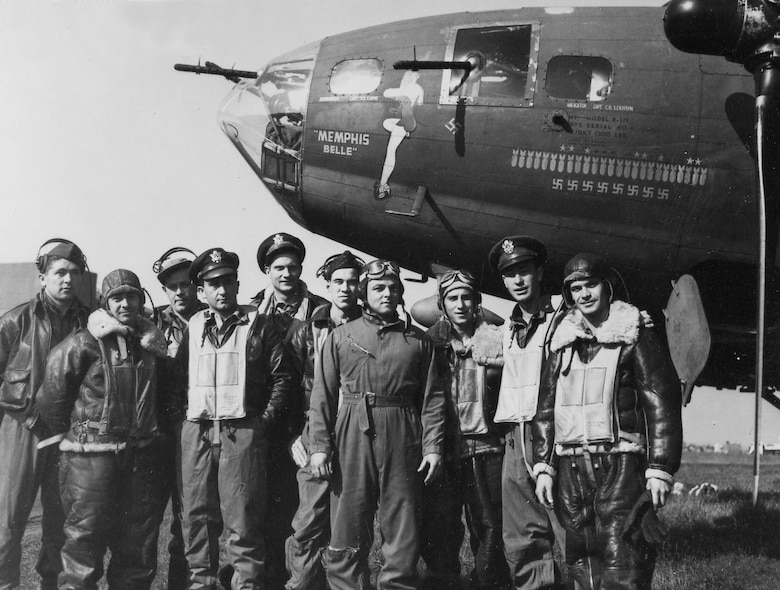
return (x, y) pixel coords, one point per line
(584, 408)
(217, 376)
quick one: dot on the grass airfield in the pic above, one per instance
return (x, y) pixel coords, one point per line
(716, 542)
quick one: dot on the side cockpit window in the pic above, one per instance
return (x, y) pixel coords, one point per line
(505, 72)
(579, 77)
(356, 76)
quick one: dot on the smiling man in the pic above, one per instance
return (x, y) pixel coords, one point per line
(288, 302)
(27, 334)
(529, 529)
(240, 382)
(470, 356)
(102, 393)
(608, 427)
(311, 524)
(172, 270)
(281, 256)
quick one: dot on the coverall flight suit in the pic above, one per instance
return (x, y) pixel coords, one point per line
(392, 415)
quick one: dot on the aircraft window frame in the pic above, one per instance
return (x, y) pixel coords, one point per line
(598, 89)
(453, 53)
(379, 69)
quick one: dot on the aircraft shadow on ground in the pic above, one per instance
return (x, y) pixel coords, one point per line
(726, 524)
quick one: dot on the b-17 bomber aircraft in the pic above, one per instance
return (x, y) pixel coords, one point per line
(621, 131)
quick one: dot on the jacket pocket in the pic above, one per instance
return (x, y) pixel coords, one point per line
(15, 389)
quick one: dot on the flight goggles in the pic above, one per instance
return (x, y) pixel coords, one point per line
(456, 276)
(378, 269)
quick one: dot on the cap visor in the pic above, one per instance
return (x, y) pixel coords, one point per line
(217, 272)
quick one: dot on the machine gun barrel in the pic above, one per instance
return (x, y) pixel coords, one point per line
(215, 70)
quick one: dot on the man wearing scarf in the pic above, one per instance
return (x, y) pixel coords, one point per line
(288, 302)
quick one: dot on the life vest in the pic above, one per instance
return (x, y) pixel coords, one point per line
(519, 392)
(468, 392)
(217, 376)
(584, 396)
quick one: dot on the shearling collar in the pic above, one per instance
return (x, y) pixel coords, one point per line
(486, 344)
(621, 327)
(102, 324)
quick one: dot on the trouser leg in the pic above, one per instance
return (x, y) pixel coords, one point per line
(49, 563)
(624, 568)
(88, 482)
(482, 480)
(527, 530)
(32, 469)
(142, 491)
(282, 504)
(398, 453)
(202, 519)
(311, 533)
(352, 526)
(243, 490)
(177, 562)
(442, 529)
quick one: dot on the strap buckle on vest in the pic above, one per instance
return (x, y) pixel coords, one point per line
(215, 431)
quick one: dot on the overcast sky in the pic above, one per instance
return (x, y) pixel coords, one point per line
(103, 143)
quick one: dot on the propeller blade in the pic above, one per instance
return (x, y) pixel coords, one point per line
(766, 76)
(746, 32)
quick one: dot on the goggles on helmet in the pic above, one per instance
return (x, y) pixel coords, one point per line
(456, 276)
(378, 269)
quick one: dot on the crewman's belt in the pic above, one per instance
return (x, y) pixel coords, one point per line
(365, 400)
(629, 443)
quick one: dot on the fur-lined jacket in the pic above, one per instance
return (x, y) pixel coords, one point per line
(471, 377)
(647, 395)
(102, 386)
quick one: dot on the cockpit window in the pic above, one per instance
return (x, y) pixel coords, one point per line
(356, 76)
(506, 65)
(264, 118)
(284, 88)
(579, 77)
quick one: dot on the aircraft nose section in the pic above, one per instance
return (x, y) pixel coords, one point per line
(265, 118)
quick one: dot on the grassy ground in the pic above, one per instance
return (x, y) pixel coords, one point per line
(716, 542)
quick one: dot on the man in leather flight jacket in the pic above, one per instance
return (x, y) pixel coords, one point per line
(27, 334)
(104, 393)
(469, 352)
(311, 524)
(608, 426)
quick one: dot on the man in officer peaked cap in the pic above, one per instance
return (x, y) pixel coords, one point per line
(230, 411)
(281, 256)
(288, 302)
(529, 530)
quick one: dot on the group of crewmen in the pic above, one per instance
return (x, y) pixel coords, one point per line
(285, 428)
